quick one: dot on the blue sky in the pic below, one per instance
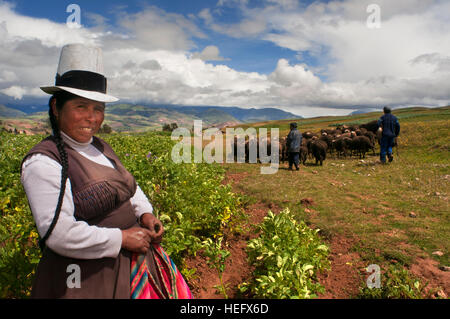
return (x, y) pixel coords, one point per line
(250, 55)
(307, 57)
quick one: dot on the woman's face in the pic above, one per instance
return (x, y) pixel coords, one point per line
(80, 118)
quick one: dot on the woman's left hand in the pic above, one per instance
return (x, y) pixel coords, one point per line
(149, 221)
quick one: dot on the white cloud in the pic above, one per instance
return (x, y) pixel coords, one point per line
(179, 79)
(154, 29)
(405, 61)
(8, 76)
(147, 59)
(296, 75)
(22, 28)
(205, 14)
(15, 92)
(440, 62)
(209, 53)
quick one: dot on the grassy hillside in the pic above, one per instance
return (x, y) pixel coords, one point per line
(393, 214)
(9, 112)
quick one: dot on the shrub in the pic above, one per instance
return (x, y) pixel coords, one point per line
(396, 283)
(287, 256)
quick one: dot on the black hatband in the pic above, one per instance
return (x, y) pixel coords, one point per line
(83, 80)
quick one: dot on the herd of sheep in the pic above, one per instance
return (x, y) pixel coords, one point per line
(343, 141)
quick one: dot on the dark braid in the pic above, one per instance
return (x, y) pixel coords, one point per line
(61, 98)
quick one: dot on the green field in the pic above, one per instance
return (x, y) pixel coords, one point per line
(370, 204)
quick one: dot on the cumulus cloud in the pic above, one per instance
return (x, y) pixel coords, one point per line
(16, 92)
(296, 75)
(403, 62)
(147, 55)
(179, 79)
(154, 29)
(209, 53)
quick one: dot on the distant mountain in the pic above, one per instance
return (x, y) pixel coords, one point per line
(152, 116)
(10, 112)
(28, 109)
(260, 115)
(363, 111)
(243, 115)
(131, 117)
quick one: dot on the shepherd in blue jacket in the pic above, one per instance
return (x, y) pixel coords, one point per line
(390, 130)
(293, 143)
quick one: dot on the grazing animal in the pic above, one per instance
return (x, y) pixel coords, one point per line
(283, 150)
(341, 145)
(372, 139)
(303, 153)
(371, 126)
(308, 135)
(327, 139)
(361, 144)
(319, 150)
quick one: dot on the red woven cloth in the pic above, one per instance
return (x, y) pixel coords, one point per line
(143, 284)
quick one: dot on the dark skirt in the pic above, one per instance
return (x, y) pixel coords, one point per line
(105, 278)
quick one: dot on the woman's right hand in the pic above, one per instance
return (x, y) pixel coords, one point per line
(136, 239)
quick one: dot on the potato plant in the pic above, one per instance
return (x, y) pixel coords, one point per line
(287, 256)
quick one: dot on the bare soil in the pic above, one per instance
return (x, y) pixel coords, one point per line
(344, 278)
(342, 281)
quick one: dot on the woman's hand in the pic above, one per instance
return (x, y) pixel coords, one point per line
(136, 239)
(154, 225)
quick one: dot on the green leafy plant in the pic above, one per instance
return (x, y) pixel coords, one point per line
(396, 283)
(19, 252)
(287, 256)
(216, 259)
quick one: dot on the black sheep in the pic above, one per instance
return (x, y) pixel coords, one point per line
(283, 150)
(372, 137)
(327, 139)
(341, 145)
(303, 153)
(361, 144)
(371, 126)
(319, 150)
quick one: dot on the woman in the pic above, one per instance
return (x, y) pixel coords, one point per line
(103, 226)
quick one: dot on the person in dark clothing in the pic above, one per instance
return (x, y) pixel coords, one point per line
(390, 127)
(293, 143)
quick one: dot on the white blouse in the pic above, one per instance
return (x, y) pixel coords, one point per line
(41, 179)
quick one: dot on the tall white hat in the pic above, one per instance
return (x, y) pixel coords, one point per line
(80, 72)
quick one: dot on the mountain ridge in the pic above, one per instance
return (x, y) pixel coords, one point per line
(136, 118)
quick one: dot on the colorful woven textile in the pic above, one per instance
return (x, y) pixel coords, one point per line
(143, 284)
